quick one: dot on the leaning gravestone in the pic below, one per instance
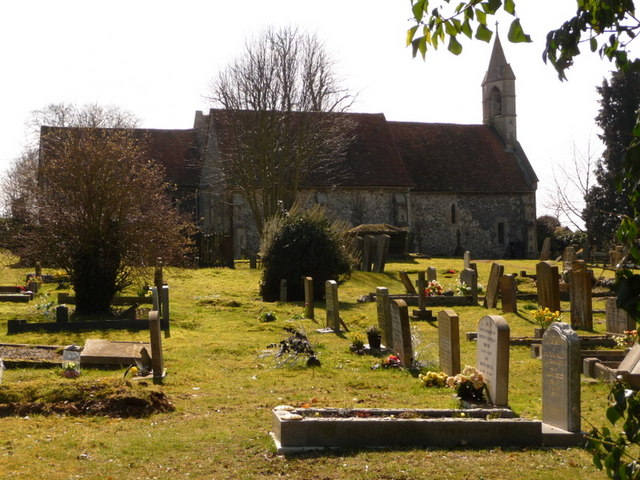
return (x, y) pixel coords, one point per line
(561, 367)
(367, 252)
(333, 313)
(508, 294)
(432, 274)
(469, 277)
(384, 315)
(492, 357)
(545, 253)
(547, 279)
(408, 286)
(449, 342)
(618, 320)
(381, 253)
(401, 331)
(581, 297)
(308, 298)
(491, 297)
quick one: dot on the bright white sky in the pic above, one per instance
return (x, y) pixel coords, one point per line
(156, 58)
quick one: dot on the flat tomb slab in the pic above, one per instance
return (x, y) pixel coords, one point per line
(306, 429)
(107, 352)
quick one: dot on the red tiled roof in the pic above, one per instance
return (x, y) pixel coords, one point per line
(460, 158)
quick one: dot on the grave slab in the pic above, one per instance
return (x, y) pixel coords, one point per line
(108, 352)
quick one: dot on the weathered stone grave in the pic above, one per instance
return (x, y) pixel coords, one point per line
(561, 367)
(308, 298)
(581, 297)
(545, 252)
(333, 312)
(408, 285)
(98, 352)
(382, 252)
(466, 260)
(449, 342)
(401, 332)
(568, 257)
(283, 290)
(422, 313)
(547, 279)
(368, 246)
(491, 296)
(383, 304)
(508, 294)
(432, 274)
(157, 357)
(492, 357)
(469, 277)
(618, 320)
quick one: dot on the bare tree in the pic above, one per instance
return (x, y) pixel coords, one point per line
(572, 182)
(283, 105)
(101, 204)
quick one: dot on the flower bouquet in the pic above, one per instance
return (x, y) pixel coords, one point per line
(433, 379)
(545, 317)
(627, 339)
(433, 288)
(469, 385)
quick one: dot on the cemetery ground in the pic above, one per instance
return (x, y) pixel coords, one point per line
(223, 390)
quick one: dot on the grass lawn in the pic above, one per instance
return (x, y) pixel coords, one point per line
(223, 389)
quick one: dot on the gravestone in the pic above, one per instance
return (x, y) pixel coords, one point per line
(408, 286)
(508, 294)
(545, 252)
(561, 368)
(492, 357)
(383, 304)
(547, 279)
(491, 297)
(157, 359)
(618, 320)
(367, 252)
(333, 313)
(580, 296)
(38, 269)
(631, 359)
(308, 298)
(466, 259)
(382, 252)
(401, 331)
(449, 342)
(432, 274)
(568, 257)
(469, 277)
(111, 352)
(422, 313)
(62, 313)
(164, 315)
(283, 290)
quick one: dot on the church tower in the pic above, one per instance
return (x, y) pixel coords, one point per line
(499, 96)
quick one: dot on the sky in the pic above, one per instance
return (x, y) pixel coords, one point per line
(156, 59)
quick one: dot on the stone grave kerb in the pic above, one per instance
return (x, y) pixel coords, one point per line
(492, 357)
(561, 368)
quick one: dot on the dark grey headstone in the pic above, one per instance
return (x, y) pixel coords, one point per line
(547, 279)
(449, 342)
(383, 304)
(401, 331)
(492, 357)
(493, 285)
(333, 313)
(618, 320)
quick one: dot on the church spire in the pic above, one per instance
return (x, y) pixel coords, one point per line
(499, 95)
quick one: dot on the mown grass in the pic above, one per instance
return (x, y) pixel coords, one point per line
(224, 389)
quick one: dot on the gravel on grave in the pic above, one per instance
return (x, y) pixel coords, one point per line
(30, 353)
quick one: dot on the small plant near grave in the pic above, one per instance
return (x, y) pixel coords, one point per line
(627, 339)
(433, 379)
(45, 306)
(268, 317)
(374, 336)
(392, 361)
(70, 370)
(616, 452)
(357, 343)
(545, 317)
(294, 348)
(433, 288)
(462, 289)
(469, 385)
(530, 306)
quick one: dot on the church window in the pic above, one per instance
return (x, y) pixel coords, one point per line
(496, 102)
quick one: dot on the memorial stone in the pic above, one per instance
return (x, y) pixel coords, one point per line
(492, 357)
(383, 304)
(508, 294)
(547, 279)
(401, 331)
(333, 314)
(449, 342)
(308, 298)
(283, 290)
(382, 252)
(561, 368)
(432, 274)
(469, 277)
(581, 297)
(367, 252)
(618, 320)
(491, 296)
(466, 259)
(545, 253)
(406, 281)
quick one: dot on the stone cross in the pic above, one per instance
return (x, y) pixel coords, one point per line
(580, 296)
(383, 304)
(547, 279)
(333, 313)
(401, 331)
(491, 297)
(449, 342)
(308, 298)
(561, 368)
(508, 294)
(406, 281)
(492, 357)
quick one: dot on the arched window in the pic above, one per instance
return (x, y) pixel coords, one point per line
(495, 100)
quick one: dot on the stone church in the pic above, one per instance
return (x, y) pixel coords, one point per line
(452, 187)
